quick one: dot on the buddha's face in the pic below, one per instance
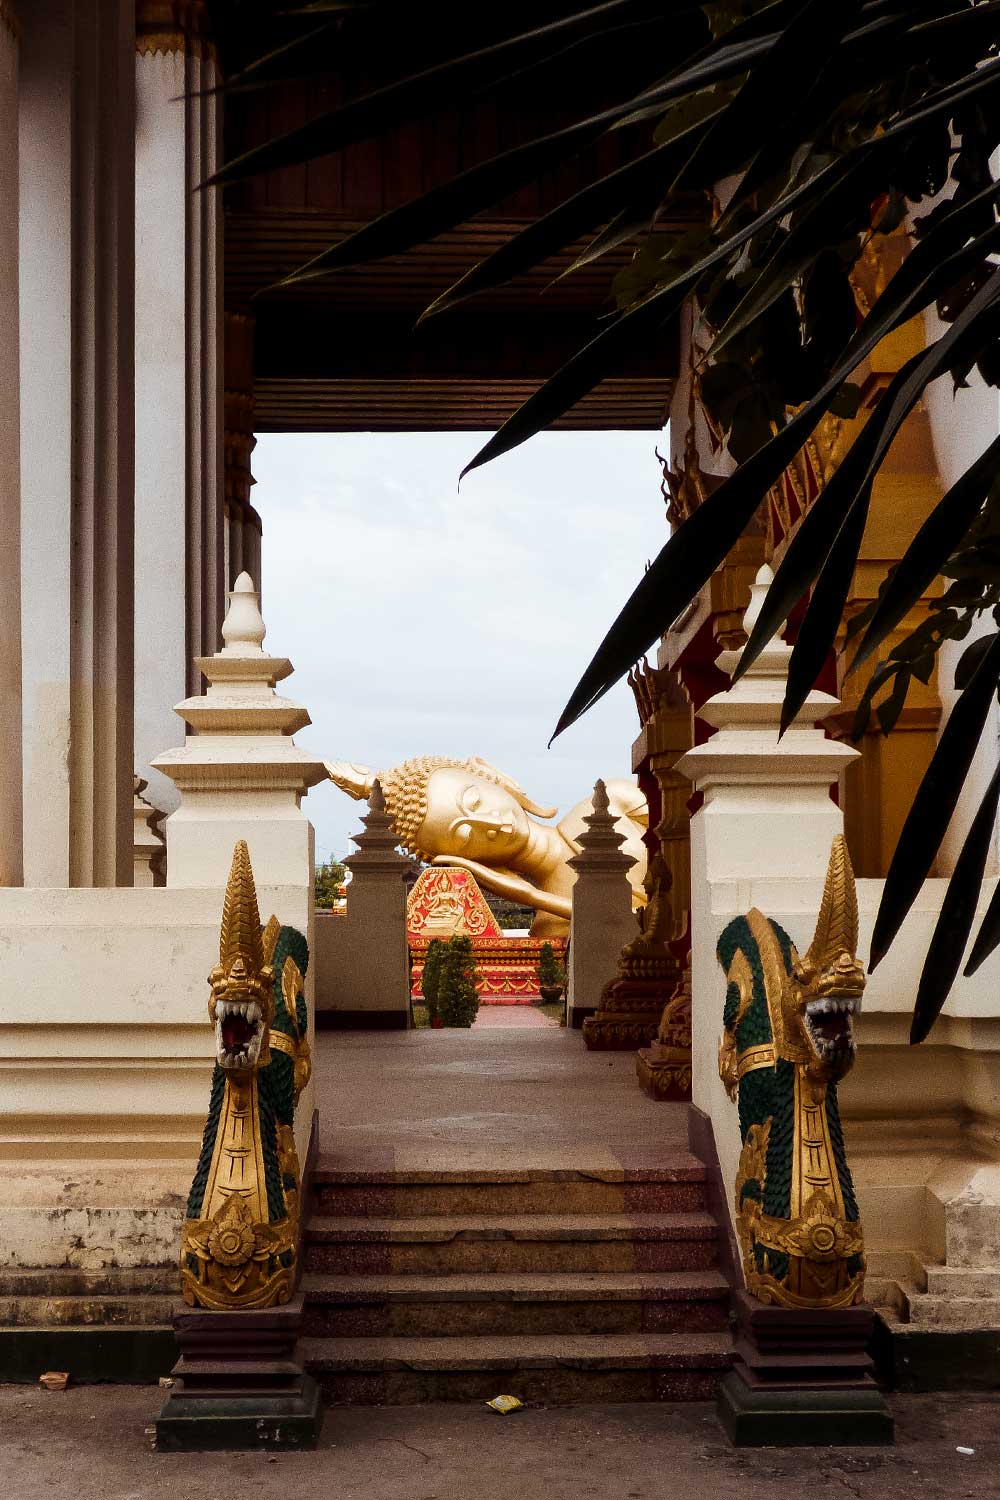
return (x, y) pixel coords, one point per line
(472, 818)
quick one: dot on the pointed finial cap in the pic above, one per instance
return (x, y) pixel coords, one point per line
(376, 797)
(601, 802)
(758, 593)
(243, 629)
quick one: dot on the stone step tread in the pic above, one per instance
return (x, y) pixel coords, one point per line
(679, 1167)
(112, 1302)
(669, 1351)
(972, 1279)
(947, 1299)
(61, 1281)
(443, 1228)
(525, 1286)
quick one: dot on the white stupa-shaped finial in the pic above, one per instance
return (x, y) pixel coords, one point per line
(758, 593)
(243, 629)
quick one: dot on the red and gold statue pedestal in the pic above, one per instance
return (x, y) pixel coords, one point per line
(628, 1014)
(649, 976)
(447, 902)
(664, 1067)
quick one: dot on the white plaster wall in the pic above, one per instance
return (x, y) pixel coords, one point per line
(333, 947)
(106, 1057)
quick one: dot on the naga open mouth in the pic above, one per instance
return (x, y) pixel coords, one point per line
(239, 1030)
(829, 1024)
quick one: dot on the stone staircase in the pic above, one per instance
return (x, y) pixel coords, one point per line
(552, 1285)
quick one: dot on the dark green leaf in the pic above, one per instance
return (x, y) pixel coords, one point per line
(459, 77)
(935, 802)
(571, 218)
(452, 203)
(818, 632)
(814, 538)
(970, 659)
(889, 710)
(936, 539)
(958, 911)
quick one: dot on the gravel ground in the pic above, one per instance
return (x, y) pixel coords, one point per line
(90, 1444)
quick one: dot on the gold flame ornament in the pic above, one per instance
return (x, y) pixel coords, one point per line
(239, 1241)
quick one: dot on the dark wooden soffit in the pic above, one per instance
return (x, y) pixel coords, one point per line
(341, 355)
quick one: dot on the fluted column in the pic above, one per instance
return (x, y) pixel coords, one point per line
(10, 479)
(243, 525)
(179, 545)
(76, 166)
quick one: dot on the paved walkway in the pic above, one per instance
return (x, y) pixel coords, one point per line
(486, 1099)
(89, 1444)
(512, 1017)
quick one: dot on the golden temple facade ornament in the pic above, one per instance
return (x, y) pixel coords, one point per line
(239, 1244)
(788, 1039)
(469, 815)
(173, 26)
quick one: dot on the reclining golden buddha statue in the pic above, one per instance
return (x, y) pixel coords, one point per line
(468, 814)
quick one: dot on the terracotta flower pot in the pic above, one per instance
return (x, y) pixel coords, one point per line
(550, 993)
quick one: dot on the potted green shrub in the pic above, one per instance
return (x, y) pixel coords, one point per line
(430, 980)
(551, 975)
(458, 1002)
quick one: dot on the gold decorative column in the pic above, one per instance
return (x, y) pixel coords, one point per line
(877, 790)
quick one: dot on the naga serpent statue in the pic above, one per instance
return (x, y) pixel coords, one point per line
(240, 1238)
(787, 1042)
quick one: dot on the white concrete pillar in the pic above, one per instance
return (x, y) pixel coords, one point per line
(240, 775)
(180, 561)
(10, 462)
(602, 920)
(76, 171)
(767, 815)
(376, 954)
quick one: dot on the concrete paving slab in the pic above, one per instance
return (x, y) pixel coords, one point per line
(89, 1444)
(486, 1099)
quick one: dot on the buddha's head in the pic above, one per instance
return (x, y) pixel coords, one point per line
(457, 808)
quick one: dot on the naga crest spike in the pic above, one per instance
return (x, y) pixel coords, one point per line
(837, 925)
(243, 977)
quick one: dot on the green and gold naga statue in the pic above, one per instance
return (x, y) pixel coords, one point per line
(787, 1042)
(240, 1238)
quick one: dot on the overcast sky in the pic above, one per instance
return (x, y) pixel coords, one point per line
(424, 621)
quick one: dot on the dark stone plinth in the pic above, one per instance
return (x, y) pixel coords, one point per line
(802, 1376)
(239, 1382)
